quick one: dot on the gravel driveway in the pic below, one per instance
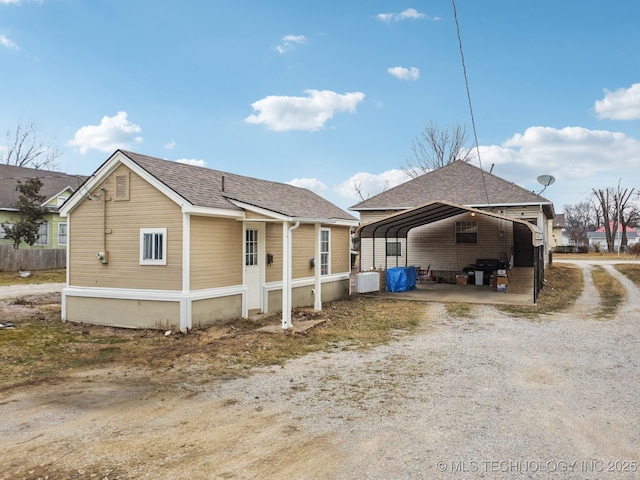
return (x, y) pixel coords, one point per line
(489, 397)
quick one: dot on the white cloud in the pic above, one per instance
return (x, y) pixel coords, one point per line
(112, 133)
(580, 159)
(170, 145)
(192, 161)
(408, 14)
(282, 113)
(404, 73)
(289, 43)
(623, 104)
(369, 184)
(9, 2)
(6, 42)
(312, 184)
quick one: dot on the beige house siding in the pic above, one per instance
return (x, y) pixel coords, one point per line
(216, 252)
(124, 313)
(213, 310)
(374, 216)
(122, 220)
(273, 234)
(435, 245)
(335, 290)
(304, 248)
(340, 249)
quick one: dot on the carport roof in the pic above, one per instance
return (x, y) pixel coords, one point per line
(398, 225)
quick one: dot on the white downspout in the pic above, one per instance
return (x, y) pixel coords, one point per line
(317, 292)
(287, 272)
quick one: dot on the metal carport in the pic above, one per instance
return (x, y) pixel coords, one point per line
(398, 226)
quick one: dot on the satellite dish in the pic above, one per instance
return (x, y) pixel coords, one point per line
(545, 180)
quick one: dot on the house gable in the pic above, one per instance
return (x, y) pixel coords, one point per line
(99, 224)
(458, 182)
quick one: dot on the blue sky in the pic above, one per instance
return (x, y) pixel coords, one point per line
(328, 94)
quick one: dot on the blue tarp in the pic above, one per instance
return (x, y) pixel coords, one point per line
(401, 279)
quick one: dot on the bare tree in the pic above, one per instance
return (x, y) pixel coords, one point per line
(578, 219)
(357, 186)
(436, 147)
(627, 212)
(25, 148)
(617, 211)
(606, 197)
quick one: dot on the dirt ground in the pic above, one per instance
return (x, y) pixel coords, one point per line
(488, 396)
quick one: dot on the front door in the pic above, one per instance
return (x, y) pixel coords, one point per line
(253, 248)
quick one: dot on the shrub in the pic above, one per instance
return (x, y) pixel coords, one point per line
(634, 249)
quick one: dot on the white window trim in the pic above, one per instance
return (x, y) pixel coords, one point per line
(328, 253)
(3, 232)
(45, 235)
(66, 234)
(147, 231)
(397, 244)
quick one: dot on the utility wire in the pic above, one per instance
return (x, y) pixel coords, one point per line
(466, 82)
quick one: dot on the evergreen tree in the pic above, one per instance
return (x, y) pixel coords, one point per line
(31, 214)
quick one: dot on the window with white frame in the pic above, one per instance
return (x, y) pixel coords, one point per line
(153, 246)
(325, 251)
(251, 247)
(394, 249)
(3, 232)
(466, 232)
(62, 233)
(43, 234)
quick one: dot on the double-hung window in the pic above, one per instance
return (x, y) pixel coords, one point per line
(466, 232)
(62, 233)
(325, 251)
(394, 249)
(153, 246)
(43, 234)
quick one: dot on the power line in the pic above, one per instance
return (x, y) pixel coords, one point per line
(466, 82)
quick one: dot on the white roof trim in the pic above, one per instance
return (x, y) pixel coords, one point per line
(107, 169)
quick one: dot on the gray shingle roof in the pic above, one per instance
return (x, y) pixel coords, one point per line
(203, 187)
(458, 182)
(52, 183)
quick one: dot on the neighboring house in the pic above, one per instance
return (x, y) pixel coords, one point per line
(56, 188)
(449, 218)
(558, 235)
(160, 244)
(598, 238)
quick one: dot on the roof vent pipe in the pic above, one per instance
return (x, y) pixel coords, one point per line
(223, 183)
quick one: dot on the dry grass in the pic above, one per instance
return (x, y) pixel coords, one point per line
(41, 276)
(43, 348)
(632, 272)
(612, 293)
(459, 310)
(563, 284)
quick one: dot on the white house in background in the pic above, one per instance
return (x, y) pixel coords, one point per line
(598, 239)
